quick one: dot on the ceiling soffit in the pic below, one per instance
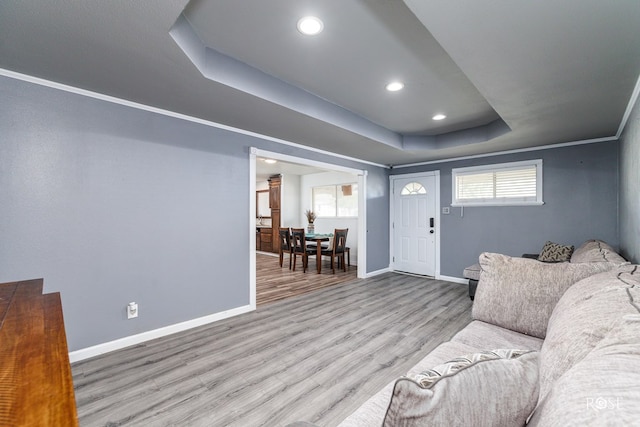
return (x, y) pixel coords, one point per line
(479, 125)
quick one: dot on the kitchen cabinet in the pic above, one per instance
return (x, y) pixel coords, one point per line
(274, 204)
(264, 239)
(275, 183)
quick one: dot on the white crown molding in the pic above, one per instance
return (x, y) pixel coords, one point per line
(112, 99)
(518, 150)
(632, 101)
(83, 92)
(630, 105)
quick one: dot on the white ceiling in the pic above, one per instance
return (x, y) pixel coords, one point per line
(265, 170)
(508, 75)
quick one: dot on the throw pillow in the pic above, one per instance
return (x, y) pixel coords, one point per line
(583, 317)
(601, 389)
(490, 388)
(554, 252)
(520, 294)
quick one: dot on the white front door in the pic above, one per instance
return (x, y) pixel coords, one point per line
(414, 224)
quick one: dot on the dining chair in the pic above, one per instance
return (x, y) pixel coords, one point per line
(347, 251)
(299, 247)
(285, 245)
(338, 249)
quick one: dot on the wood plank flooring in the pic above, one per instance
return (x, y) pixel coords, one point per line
(274, 283)
(314, 357)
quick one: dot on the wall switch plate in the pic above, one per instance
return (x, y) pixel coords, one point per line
(446, 210)
(132, 310)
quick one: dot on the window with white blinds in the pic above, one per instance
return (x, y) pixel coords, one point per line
(517, 183)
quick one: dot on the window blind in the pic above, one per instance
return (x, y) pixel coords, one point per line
(498, 184)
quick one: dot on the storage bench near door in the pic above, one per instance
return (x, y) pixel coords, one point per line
(473, 274)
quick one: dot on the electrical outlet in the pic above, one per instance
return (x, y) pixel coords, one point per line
(446, 210)
(132, 310)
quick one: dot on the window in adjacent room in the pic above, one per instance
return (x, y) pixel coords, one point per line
(336, 200)
(505, 184)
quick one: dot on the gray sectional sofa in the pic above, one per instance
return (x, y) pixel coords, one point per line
(550, 345)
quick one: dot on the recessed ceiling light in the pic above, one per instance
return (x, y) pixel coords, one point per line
(310, 25)
(395, 86)
(270, 161)
(439, 117)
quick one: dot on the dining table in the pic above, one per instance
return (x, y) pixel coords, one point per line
(318, 238)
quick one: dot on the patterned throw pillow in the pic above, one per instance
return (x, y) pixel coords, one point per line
(553, 252)
(429, 377)
(498, 387)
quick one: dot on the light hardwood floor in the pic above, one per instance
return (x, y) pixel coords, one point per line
(274, 283)
(314, 357)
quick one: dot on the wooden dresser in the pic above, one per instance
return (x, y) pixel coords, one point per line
(36, 387)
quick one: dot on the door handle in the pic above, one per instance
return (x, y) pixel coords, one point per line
(431, 222)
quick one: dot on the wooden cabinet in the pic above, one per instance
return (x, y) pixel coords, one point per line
(264, 240)
(274, 204)
(274, 192)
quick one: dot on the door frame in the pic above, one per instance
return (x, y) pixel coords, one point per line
(362, 210)
(392, 179)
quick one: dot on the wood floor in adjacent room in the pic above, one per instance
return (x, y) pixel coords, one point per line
(274, 283)
(314, 357)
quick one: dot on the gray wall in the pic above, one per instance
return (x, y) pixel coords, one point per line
(630, 187)
(111, 204)
(580, 190)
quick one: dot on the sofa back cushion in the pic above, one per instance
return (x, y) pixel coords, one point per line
(583, 316)
(520, 294)
(498, 387)
(596, 251)
(603, 388)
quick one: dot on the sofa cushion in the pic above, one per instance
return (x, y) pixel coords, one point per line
(601, 389)
(520, 294)
(554, 252)
(596, 251)
(483, 335)
(583, 316)
(489, 388)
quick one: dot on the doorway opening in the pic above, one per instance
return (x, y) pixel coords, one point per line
(308, 172)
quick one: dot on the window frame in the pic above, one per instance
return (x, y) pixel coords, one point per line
(496, 168)
(337, 188)
(421, 191)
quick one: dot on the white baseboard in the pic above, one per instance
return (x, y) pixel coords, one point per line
(454, 279)
(96, 350)
(378, 272)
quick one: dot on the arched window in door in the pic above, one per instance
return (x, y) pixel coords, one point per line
(412, 189)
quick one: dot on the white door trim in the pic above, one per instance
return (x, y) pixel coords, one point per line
(362, 210)
(392, 179)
